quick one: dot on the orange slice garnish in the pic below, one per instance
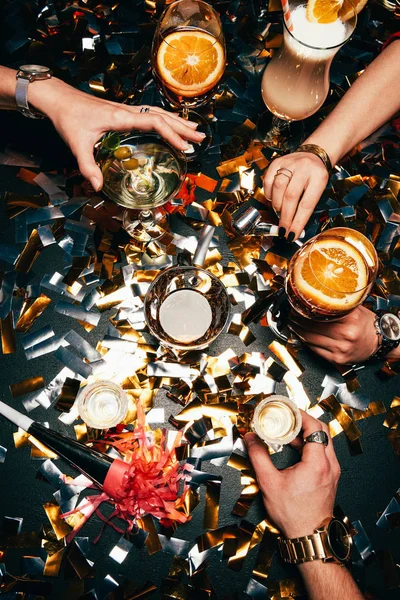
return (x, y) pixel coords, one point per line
(190, 62)
(323, 11)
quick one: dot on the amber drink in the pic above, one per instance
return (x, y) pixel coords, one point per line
(331, 274)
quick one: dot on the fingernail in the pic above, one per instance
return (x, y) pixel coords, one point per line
(192, 124)
(96, 184)
(290, 237)
(281, 232)
(250, 439)
(200, 134)
(185, 146)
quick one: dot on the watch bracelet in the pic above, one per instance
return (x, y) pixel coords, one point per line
(320, 152)
(303, 549)
(384, 347)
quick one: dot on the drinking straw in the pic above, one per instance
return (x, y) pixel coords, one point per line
(286, 15)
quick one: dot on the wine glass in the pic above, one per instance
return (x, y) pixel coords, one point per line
(189, 60)
(331, 274)
(141, 172)
(295, 83)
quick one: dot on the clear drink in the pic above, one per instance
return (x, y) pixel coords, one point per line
(295, 83)
(276, 420)
(331, 274)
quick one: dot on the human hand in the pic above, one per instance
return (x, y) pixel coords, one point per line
(298, 499)
(82, 119)
(351, 339)
(295, 199)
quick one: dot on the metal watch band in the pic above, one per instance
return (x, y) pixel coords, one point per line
(21, 90)
(385, 344)
(304, 549)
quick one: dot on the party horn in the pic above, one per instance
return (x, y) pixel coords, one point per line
(107, 473)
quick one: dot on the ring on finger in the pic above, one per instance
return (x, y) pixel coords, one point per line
(318, 437)
(144, 109)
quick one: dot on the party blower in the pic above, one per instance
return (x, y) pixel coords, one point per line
(107, 473)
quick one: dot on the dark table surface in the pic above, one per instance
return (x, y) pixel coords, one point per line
(368, 481)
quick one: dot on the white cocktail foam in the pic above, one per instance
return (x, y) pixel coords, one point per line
(318, 35)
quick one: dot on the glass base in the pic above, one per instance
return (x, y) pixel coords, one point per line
(278, 316)
(197, 150)
(282, 136)
(145, 226)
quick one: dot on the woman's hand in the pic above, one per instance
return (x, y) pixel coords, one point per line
(82, 119)
(295, 196)
(351, 339)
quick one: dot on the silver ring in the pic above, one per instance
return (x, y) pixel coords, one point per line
(144, 109)
(318, 437)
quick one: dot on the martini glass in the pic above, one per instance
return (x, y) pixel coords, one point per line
(189, 59)
(141, 173)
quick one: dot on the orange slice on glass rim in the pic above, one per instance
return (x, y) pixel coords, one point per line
(190, 62)
(328, 11)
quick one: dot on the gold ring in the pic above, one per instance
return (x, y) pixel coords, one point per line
(284, 174)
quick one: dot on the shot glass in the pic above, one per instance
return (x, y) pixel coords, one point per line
(102, 404)
(277, 421)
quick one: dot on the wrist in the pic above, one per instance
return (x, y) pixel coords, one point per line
(44, 95)
(329, 145)
(298, 530)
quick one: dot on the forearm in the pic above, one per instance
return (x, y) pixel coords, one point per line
(370, 102)
(328, 581)
(7, 88)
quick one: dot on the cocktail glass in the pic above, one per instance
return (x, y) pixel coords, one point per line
(295, 83)
(331, 274)
(189, 60)
(141, 172)
(186, 307)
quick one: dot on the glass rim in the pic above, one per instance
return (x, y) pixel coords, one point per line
(327, 47)
(192, 345)
(369, 277)
(220, 38)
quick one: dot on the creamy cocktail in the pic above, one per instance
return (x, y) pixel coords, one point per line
(295, 83)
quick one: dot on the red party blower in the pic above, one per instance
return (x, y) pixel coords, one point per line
(107, 473)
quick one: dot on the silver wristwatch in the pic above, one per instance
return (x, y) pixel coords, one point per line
(26, 75)
(388, 329)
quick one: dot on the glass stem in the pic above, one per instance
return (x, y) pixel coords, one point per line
(185, 113)
(279, 126)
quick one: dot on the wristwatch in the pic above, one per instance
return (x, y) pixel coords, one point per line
(388, 329)
(26, 75)
(329, 542)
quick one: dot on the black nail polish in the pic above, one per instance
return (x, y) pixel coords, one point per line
(281, 232)
(290, 237)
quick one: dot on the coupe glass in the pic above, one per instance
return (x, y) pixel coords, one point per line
(331, 274)
(141, 173)
(295, 83)
(189, 60)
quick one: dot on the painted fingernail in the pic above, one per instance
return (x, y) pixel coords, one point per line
(282, 232)
(290, 237)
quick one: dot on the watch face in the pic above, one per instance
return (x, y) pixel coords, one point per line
(339, 540)
(390, 327)
(34, 69)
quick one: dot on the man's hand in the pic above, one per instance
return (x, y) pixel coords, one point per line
(351, 339)
(300, 498)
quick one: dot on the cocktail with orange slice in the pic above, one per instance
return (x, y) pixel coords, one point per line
(189, 58)
(295, 82)
(331, 274)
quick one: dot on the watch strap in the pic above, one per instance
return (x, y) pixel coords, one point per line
(385, 345)
(21, 98)
(304, 549)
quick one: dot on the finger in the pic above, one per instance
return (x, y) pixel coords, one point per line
(148, 122)
(297, 443)
(259, 456)
(312, 450)
(269, 180)
(163, 113)
(291, 200)
(87, 165)
(279, 185)
(312, 193)
(309, 337)
(329, 449)
(307, 327)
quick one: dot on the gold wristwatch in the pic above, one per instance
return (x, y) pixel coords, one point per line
(329, 542)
